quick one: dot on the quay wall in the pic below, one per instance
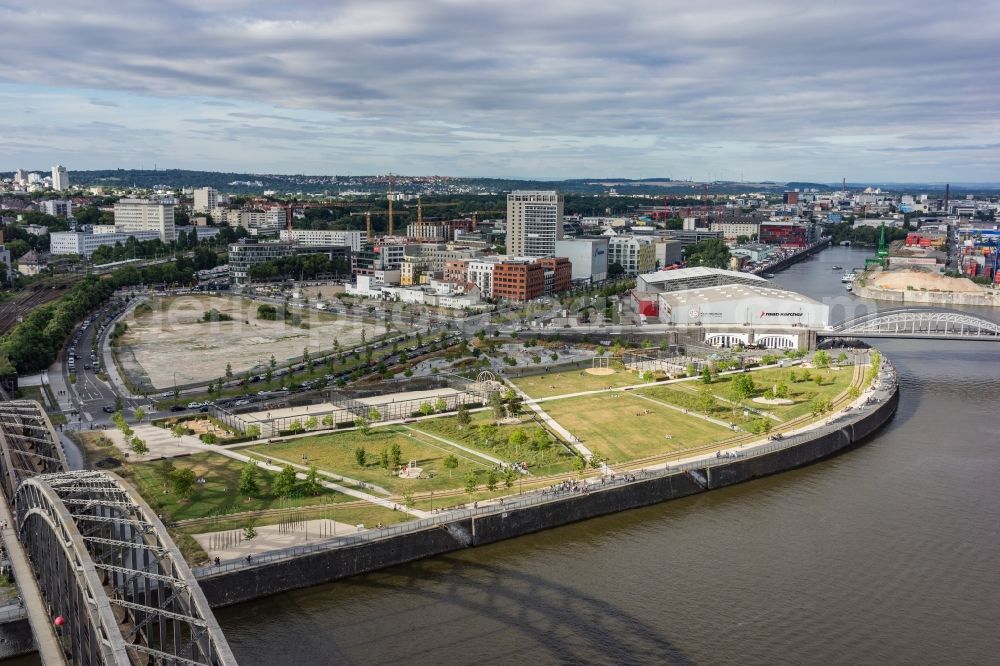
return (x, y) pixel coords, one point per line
(313, 568)
(942, 298)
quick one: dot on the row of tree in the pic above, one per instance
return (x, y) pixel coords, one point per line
(34, 343)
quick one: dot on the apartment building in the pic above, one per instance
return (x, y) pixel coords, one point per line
(635, 255)
(206, 200)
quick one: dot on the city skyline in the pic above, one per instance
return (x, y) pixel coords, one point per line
(724, 91)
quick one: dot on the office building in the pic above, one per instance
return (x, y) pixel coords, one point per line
(588, 256)
(60, 178)
(206, 199)
(351, 239)
(243, 255)
(84, 244)
(534, 222)
(133, 215)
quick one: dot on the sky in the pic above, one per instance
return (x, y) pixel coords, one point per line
(893, 90)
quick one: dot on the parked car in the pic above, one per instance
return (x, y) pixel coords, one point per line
(178, 408)
(108, 409)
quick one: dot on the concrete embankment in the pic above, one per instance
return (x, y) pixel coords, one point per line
(919, 297)
(240, 582)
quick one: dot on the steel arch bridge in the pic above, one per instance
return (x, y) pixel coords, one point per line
(922, 323)
(101, 557)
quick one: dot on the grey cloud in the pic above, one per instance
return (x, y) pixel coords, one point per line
(771, 80)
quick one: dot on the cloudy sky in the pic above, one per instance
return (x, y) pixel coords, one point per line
(885, 90)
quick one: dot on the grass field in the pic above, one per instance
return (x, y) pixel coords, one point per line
(832, 382)
(573, 381)
(218, 495)
(335, 453)
(609, 425)
(542, 459)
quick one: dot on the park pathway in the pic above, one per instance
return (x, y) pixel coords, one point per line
(551, 422)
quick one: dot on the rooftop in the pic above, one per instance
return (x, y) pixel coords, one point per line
(734, 292)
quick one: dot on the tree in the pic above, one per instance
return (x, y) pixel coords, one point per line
(820, 405)
(311, 423)
(450, 463)
(842, 358)
(253, 431)
(165, 470)
(514, 406)
(295, 425)
(492, 480)
(509, 476)
(285, 483)
(517, 439)
(463, 415)
(706, 375)
(248, 480)
(706, 401)
(759, 426)
(362, 425)
(440, 405)
(742, 387)
(396, 454)
(579, 464)
(383, 459)
(178, 430)
(712, 252)
(249, 533)
(360, 456)
(311, 485)
(140, 414)
(374, 415)
(229, 370)
(139, 446)
(821, 359)
(471, 483)
(496, 404)
(183, 482)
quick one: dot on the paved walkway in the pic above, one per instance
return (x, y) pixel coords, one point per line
(49, 647)
(270, 537)
(551, 422)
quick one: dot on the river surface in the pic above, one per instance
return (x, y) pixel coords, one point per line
(889, 553)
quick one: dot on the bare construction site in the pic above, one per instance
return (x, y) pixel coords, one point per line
(190, 339)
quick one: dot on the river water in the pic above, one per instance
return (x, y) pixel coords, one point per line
(885, 554)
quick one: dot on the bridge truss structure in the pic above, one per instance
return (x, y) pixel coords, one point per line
(102, 559)
(917, 323)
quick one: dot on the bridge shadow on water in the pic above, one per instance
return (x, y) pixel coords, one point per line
(452, 610)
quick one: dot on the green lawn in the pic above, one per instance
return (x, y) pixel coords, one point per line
(542, 453)
(619, 428)
(335, 453)
(832, 382)
(218, 495)
(573, 381)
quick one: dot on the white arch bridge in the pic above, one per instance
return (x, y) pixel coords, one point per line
(919, 323)
(100, 557)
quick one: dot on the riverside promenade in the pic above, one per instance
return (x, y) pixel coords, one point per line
(615, 490)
